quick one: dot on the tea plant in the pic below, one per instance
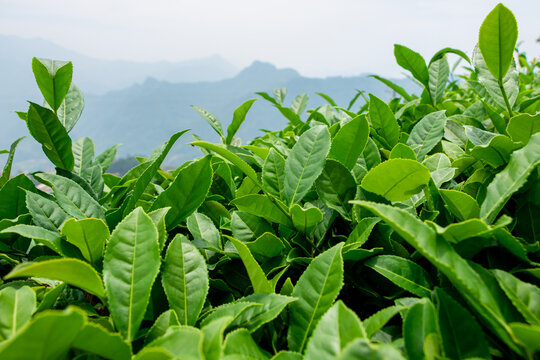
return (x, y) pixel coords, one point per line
(407, 229)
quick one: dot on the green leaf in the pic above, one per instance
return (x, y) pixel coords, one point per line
(45, 213)
(350, 141)
(497, 40)
(511, 179)
(233, 158)
(213, 337)
(336, 329)
(299, 103)
(95, 339)
(263, 206)
(396, 179)
(185, 279)
(305, 220)
(402, 151)
(427, 133)
(51, 239)
(106, 158)
(34, 340)
(89, 236)
(419, 323)
(130, 266)
(7, 168)
(442, 255)
(71, 108)
(336, 187)
(527, 335)
(161, 325)
(53, 78)
(16, 309)
(185, 342)
(438, 77)
(316, 290)
(398, 89)
(187, 192)
(524, 296)
(510, 82)
(462, 337)
(238, 118)
(305, 162)
(83, 153)
(210, 119)
(461, 205)
(383, 120)
(378, 320)
(45, 127)
(402, 272)
(440, 168)
(361, 349)
(521, 127)
(158, 217)
(241, 344)
(413, 62)
(71, 197)
(146, 177)
(256, 274)
(71, 271)
(273, 174)
(201, 227)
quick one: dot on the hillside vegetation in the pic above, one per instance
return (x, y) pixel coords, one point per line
(405, 229)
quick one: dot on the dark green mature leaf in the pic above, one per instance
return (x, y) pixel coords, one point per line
(336, 187)
(361, 349)
(427, 133)
(34, 340)
(383, 120)
(305, 220)
(413, 62)
(420, 322)
(185, 342)
(71, 197)
(398, 89)
(350, 141)
(524, 296)
(378, 320)
(316, 290)
(95, 339)
(149, 173)
(441, 254)
(402, 272)
(304, 163)
(83, 154)
(187, 192)
(13, 196)
(71, 271)
(462, 337)
(336, 329)
(273, 174)
(213, 337)
(201, 227)
(497, 40)
(16, 309)
(240, 345)
(106, 158)
(238, 118)
(256, 274)
(521, 127)
(49, 238)
(45, 127)
(45, 213)
(185, 279)
(511, 179)
(396, 179)
(53, 78)
(7, 168)
(130, 266)
(269, 306)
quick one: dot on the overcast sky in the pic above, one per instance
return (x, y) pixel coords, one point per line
(316, 37)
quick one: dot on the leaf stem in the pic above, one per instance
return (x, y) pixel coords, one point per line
(505, 97)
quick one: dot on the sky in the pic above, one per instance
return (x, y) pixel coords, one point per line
(318, 38)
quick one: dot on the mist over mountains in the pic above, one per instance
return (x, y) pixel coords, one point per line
(141, 104)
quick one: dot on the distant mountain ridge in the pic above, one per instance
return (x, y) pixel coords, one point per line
(144, 114)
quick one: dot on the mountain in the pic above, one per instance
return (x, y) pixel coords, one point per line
(144, 114)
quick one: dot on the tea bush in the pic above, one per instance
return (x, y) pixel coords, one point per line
(407, 229)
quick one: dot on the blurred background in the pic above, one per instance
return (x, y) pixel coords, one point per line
(140, 64)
